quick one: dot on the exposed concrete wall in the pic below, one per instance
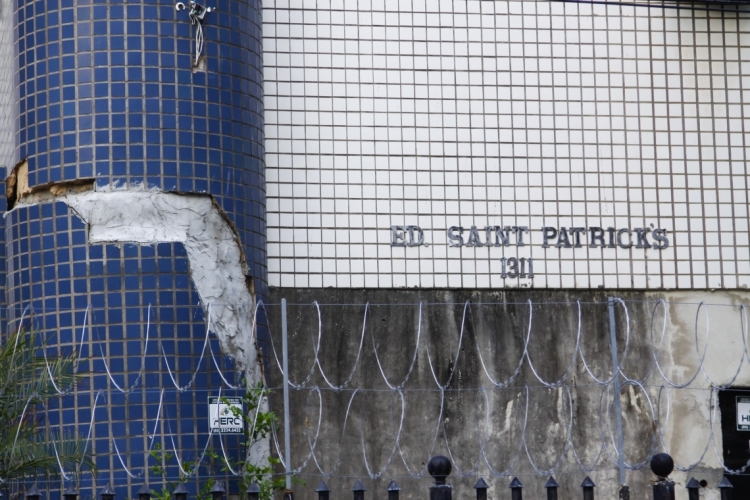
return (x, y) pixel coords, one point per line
(475, 411)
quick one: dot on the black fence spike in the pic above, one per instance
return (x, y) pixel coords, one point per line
(217, 490)
(253, 492)
(726, 488)
(323, 491)
(725, 483)
(551, 488)
(358, 486)
(180, 493)
(393, 490)
(107, 492)
(588, 488)
(481, 486)
(33, 493)
(516, 489)
(70, 493)
(359, 490)
(693, 488)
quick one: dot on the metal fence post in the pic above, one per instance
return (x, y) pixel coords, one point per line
(551, 488)
(693, 488)
(71, 493)
(359, 490)
(625, 492)
(217, 490)
(481, 487)
(516, 489)
(323, 491)
(288, 493)
(616, 388)
(726, 488)
(143, 494)
(33, 493)
(393, 489)
(180, 493)
(662, 466)
(107, 493)
(588, 488)
(439, 468)
(253, 492)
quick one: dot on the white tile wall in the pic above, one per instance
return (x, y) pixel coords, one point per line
(444, 113)
(7, 97)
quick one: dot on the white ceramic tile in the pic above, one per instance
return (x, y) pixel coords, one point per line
(504, 112)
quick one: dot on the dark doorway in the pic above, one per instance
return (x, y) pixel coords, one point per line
(736, 437)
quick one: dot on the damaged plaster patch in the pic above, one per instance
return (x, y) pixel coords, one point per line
(18, 191)
(17, 183)
(216, 262)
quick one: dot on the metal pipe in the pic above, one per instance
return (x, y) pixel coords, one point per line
(616, 378)
(625, 492)
(285, 356)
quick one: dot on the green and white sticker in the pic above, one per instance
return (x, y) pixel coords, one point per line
(743, 413)
(224, 417)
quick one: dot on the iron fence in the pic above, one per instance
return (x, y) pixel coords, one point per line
(439, 467)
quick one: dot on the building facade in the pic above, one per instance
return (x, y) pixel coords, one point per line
(524, 157)
(460, 186)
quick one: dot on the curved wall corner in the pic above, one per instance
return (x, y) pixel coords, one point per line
(111, 104)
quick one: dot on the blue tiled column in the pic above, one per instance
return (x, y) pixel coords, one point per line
(94, 299)
(108, 92)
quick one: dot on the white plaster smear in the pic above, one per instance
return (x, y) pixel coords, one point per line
(216, 265)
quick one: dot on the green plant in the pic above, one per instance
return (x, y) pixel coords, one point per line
(162, 459)
(28, 380)
(258, 425)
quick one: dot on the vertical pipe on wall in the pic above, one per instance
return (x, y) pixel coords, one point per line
(616, 379)
(285, 361)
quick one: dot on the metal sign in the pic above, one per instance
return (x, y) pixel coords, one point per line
(225, 415)
(743, 413)
(559, 237)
